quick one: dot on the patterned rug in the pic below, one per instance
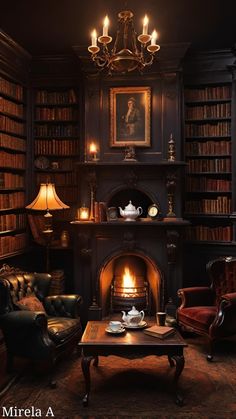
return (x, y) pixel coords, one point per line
(139, 388)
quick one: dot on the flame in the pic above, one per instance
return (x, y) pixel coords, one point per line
(129, 281)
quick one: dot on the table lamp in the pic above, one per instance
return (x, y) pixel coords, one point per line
(47, 200)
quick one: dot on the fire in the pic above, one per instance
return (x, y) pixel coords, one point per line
(129, 281)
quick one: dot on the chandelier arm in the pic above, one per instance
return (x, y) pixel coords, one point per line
(99, 61)
(147, 62)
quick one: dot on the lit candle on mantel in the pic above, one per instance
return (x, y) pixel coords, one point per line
(145, 25)
(93, 151)
(105, 26)
(83, 213)
(94, 38)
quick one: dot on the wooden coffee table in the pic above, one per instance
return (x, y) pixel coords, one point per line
(131, 344)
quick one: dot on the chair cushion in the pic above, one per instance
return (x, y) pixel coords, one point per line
(61, 328)
(30, 303)
(199, 317)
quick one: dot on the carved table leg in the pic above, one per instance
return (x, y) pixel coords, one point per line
(179, 365)
(85, 364)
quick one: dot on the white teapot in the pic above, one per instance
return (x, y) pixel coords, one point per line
(130, 213)
(133, 318)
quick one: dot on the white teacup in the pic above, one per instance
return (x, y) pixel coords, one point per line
(115, 325)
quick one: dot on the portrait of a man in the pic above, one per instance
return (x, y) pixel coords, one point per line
(130, 116)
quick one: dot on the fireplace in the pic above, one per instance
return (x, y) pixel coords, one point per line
(147, 253)
(130, 279)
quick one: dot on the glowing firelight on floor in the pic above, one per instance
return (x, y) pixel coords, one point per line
(129, 282)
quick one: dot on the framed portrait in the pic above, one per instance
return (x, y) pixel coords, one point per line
(130, 109)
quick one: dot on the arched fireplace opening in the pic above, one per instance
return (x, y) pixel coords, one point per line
(130, 279)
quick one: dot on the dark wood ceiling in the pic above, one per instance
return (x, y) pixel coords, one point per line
(54, 26)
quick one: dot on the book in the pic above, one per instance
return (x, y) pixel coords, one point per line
(159, 331)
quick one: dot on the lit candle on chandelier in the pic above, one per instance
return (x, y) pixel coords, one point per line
(154, 37)
(105, 26)
(94, 38)
(145, 25)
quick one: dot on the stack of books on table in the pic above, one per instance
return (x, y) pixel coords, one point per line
(160, 332)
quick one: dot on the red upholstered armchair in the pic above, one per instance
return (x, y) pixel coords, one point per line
(211, 311)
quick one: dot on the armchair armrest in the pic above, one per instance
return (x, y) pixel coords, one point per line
(63, 305)
(23, 320)
(229, 298)
(26, 334)
(196, 296)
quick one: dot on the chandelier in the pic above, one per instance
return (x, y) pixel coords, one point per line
(125, 56)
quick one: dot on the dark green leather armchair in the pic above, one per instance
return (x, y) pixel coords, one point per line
(41, 335)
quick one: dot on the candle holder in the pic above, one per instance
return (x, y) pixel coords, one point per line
(83, 213)
(171, 149)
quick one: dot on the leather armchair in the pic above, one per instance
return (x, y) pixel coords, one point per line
(211, 311)
(37, 335)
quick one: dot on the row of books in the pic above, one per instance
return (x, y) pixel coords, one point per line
(57, 130)
(60, 179)
(11, 89)
(15, 109)
(208, 130)
(9, 125)
(220, 205)
(11, 244)
(12, 200)
(12, 143)
(220, 110)
(51, 114)
(52, 146)
(209, 165)
(11, 180)
(57, 98)
(12, 222)
(205, 233)
(204, 184)
(208, 147)
(16, 161)
(208, 93)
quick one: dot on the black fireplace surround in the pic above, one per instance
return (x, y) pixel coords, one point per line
(157, 243)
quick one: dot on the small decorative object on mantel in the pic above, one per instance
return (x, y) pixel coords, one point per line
(153, 212)
(112, 214)
(171, 149)
(130, 213)
(130, 153)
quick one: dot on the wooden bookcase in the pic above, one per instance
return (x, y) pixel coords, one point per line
(13, 238)
(56, 143)
(208, 155)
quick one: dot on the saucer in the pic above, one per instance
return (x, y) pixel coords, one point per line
(141, 325)
(116, 332)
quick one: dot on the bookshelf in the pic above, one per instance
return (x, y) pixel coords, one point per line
(56, 143)
(208, 153)
(13, 237)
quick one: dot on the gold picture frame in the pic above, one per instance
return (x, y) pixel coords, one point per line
(130, 111)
